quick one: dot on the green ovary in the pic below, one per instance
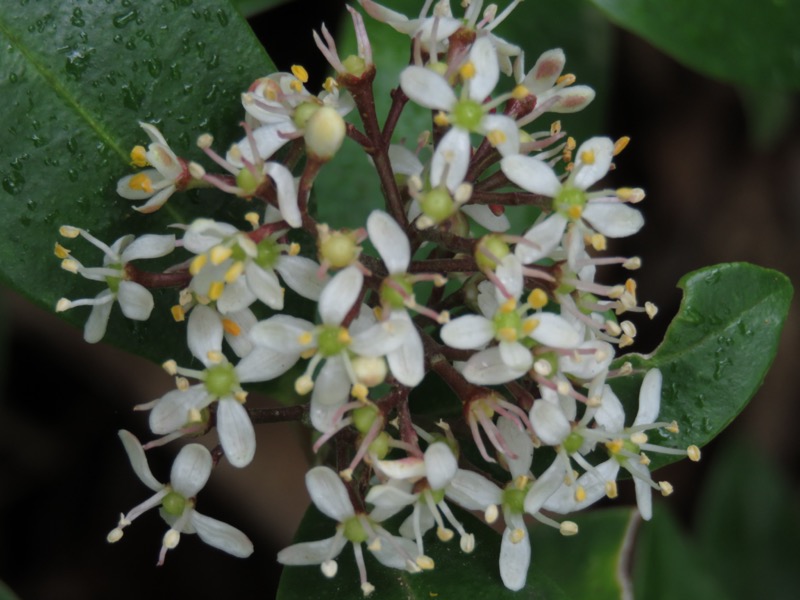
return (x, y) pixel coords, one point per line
(268, 253)
(467, 114)
(354, 530)
(391, 295)
(174, 504)
(332, 340)
(221, 380)
(437, 204)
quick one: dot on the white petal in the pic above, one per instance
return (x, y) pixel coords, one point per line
(520, 443)
(649, 398)
(510, 140)
(563, 500)
(473, 491)
(516, 356)
(544, 73)
(191, 470)
(281, 333)
(221, 535)
(602, 151)
(395, 553)
(515, 558)
(544, 487)
(407, 362)
(329, 494)
(172, 410)
(387, 496)
(287, 193)
(483, 56)
(203, 234)
(404, 161)
(300, 274)
(96, 324)
(613, 219)
(139, 460)
(549, 422)
(135, 300)
(268, 141)
(610, 415)
(204, 333)
(546, 235)
(265, 285)
(572, 99)
(339, 295)
(331, 391)
(426, 522)
(531, 174)
(236, 434)
(587, 366)
(487, 368)
(156, 201)
(555, 331)
(126, 191)
(410, 468)
(236, 296)
(452, 155)
(468, 332)
(427, 88)
(389, 240)
(487, 299)
(484, 217)
(264, 364)
(509, 272)
(312, 553)
(241, 344)
(644, 493)
(149, 246)
(440, 465)
(381, 338)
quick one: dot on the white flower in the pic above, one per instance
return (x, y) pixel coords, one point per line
(330, 496)
(190, 472)
(134, 299)
(155, 185)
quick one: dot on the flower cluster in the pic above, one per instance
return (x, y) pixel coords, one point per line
(517, 325)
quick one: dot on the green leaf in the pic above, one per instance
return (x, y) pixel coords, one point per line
(456, 575)
(249, 8)
(715, 354)
(751, 43)
(6, 593)
(748, 524)
(669, 565)
(76, 79)
(592, 564)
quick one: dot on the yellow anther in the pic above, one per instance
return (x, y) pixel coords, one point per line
(555, 128)
(305, 338)
(60, 251)
(633, 263)
(568, 528)
(644, 459)
(330, 85)
(234, 272)
(580, 494)
(507, 334)
(294, 249)
(575, 212)
(571, 144)
(621, 144)
(68, 231)
(70, 264)
(491, 513)
(651, 309)
(219, 254)
(178, 314)
(611, 489)
(183, 384)
(444, 534)
(614, 446)
(215, 356)
(537, 298)
(693, 452)
(240, 396)
(440, 119)
(306, 354)
(300, 72)
(375, 544)
(139, 156)
(587, 157)
(496, 137)
(529, 325)
(612, 328)
(197, 264)
(425, 562)
(517, 535)
(520, 92)
(346, 475)
(639, 438)
(194, 416)
(444, 317)
(521, 481)
(625, 340)
(63, 304)
(666, 488)
(231, 327)
(170, 366)
(343, 336)
(630, 286)
(673, 427)
(565, 80)
(359, 391)
(508, 306)
(215, 290)
(467, 70)
(142, 183)
(253, 219)
(598, 242)
(296, 85)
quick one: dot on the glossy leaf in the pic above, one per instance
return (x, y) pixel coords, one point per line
(593, 564)
(456, 575)
(750, 43)
(716, 351)
(76, 79)
(249, 8)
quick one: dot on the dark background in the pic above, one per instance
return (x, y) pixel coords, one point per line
(715, 194)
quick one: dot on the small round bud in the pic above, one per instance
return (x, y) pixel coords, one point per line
(325, 132)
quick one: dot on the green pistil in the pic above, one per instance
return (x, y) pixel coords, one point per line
(268, 253)
(113, 282)
(390, 294)
(221, 380)
(437, 204)
(332, 340)
(514, 498)
(506, 324)
(354, 530)
(173, 504)
(436, 495)
(355, 65)
(495, 247)
(573, 442)
(570, 201)
(380, 445)
(247, 181)
(467, 114)
(303, 113)
(339, 249)
(364, 417)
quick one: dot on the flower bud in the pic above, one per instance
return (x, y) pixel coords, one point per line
(325, 133)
